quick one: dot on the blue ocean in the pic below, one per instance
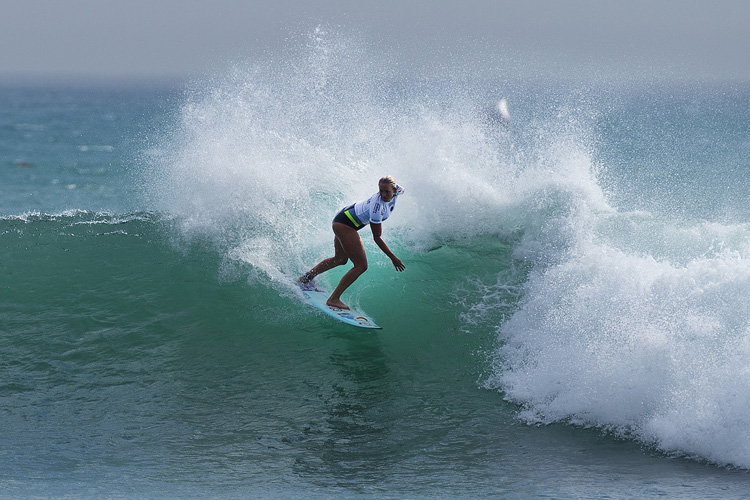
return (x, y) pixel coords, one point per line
(573, 320)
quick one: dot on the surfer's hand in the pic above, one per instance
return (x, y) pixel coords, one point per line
(398, 264)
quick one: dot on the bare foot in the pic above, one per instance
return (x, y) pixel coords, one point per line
(336, 303)
(305, 278)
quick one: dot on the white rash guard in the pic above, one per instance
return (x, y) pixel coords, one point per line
(374, 210)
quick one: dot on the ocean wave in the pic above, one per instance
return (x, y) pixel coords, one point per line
(629, 321)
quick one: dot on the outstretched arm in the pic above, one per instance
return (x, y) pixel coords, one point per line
(377, 231)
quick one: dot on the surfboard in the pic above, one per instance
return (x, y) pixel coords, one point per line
(317, 297)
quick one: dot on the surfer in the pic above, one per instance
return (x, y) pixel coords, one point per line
(347, 243)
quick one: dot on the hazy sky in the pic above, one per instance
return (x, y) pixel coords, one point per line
(624, 38)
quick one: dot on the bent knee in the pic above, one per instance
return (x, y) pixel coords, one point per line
(340, 261)
(361, 267)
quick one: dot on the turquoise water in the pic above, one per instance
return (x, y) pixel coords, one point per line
(572, 322)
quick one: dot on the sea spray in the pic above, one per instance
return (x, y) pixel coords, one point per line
(257, 159)
(261, 159)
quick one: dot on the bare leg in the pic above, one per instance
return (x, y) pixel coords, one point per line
(351, 244)
(339, 259)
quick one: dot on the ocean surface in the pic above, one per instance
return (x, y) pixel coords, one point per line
(573, 321)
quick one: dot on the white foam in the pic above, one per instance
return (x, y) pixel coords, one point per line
(648, 340)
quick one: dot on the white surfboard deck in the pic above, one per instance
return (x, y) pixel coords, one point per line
(317, 297)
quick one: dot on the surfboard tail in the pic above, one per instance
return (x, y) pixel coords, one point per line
(318, 298)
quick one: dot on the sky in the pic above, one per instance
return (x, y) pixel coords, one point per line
(638, 39)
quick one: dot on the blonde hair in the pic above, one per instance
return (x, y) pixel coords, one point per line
(388, 179)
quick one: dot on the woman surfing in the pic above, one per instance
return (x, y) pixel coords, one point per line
(347, 243)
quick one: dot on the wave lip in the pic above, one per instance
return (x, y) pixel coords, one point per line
(79, 216)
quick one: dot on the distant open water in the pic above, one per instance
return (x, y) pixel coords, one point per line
(573, 321)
